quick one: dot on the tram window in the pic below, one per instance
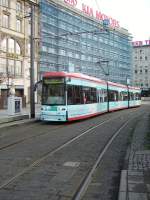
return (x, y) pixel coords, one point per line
(105, 96)
(53, 94)
(102, 95)
(93, 96)
(131, 96)
(70, 94)
(124, 95)
(90, 95)
(113, 95)
(120, 96)
(137, 96)
(75, 95)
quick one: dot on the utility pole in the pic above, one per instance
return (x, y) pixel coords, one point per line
(32, 49)
(106, 73)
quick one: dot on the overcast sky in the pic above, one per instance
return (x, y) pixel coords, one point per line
(134, 15)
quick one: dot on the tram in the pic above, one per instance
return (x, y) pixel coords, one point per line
(74, 96)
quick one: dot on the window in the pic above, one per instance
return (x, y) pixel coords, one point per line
(62, 52)
(18, 50)
(18, 25)
(28, 49)
(113, 95)
(4, 3)
(145, 57)
(53, 92)
(14, 68)
(18, 6)
(11, 64)
(3, 65)
(124, 95)
(135, 71)
(90, 95)
(137, 96)
(4, 45)
(74, 94)
(102, 95)
(18, 68)
(11, 45)
(146, 71)
(5, 22)
(131, 95)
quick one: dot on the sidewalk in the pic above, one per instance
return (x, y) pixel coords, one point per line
(135, 180)
(25, 114)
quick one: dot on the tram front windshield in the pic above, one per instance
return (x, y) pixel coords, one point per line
(53, 92)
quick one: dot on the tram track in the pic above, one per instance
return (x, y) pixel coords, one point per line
(52, 152)
(24, 139)
(87, 180)
(27, 138)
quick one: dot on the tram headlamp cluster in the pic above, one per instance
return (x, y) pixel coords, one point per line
(48, 109)
(45, 108)
(62, 109)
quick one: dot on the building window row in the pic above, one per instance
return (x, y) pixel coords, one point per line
(141, 58)
(141, 71)
(6, 3)
(11, 67)
(6, 22)
(9, 45)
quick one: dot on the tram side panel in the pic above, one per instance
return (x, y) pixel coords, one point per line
(118, 97)
(134, 97)
(85, 99)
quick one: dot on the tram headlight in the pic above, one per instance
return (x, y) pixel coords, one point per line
(62, 109)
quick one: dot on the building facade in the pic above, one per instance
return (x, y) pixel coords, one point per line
(15, 47)
(78, 40)
(141, 66)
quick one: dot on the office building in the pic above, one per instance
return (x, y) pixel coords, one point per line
(141, 66)
(15, 48)
(77, 38)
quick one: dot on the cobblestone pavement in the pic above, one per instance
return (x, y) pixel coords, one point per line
(135, 180)
(5, 117)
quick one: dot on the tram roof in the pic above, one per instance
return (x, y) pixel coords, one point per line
(134, 88)
(123, 86)
(86, 77)
(74, 75)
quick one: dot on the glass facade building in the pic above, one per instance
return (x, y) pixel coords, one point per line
(71, 41)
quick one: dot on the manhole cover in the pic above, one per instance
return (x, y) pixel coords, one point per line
(71, 164)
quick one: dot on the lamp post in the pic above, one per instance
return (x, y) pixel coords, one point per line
(32, 49)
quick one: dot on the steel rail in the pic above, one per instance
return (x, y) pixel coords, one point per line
(84, 185)
(50, 153)
(28, 138)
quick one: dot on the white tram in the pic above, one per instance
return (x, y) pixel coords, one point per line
(74, 96)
